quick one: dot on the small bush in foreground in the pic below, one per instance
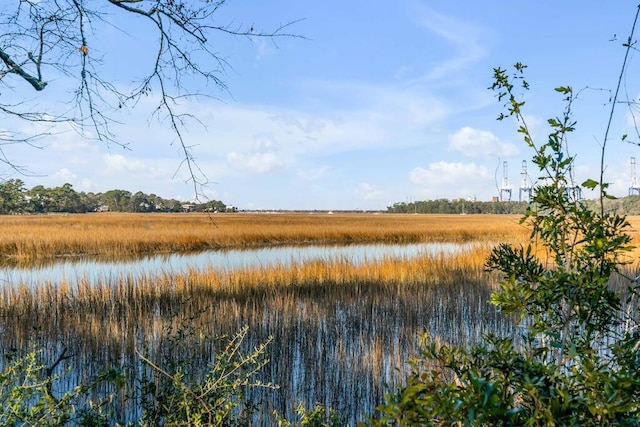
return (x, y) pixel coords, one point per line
(27, 396)
(171, 392)
(176, 394)
(578, 359)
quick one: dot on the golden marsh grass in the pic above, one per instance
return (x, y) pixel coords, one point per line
(340, 330)
(119, 236)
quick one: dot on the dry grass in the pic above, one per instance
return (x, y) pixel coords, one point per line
(125, 293)
(340, 331)
(27, 239)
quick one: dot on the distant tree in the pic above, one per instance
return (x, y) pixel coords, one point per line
(15, 198)
(41, 199)
(117, 200)
(459, 206)
(140, 202)
(65, 199)
(45, 43)
(399, 207)
(12, 196)
(211, 206)
(89, 201)
(159, 204)
(174, 205)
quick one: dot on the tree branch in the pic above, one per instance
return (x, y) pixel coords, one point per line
(39, 36)
(37, 83)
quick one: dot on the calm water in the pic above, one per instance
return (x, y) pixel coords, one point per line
(69, 270)
(343, 346)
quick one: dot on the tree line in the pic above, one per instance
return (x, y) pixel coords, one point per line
(16, 198)
(458, 206)
(629, 205)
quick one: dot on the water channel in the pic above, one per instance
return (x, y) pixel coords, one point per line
(71, 269)
(342, 346)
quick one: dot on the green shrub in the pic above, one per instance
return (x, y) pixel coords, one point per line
(578, 360)
(173, 391)
(176, 393)
(319, 416)
(27, 396)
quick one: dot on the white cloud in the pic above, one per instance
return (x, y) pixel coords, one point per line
(256, 162)
(305, 124)
(69, 143)
(450, 179)
(538, 128)
(369, 192)
(402, 72)
(85, 185)
(115, 164)
(462, 35)
(64, 175)
(354, 116)
(478, 143)
(263, 49)
(209, 194)
(291, 133)
(440, 173)
(266, 142)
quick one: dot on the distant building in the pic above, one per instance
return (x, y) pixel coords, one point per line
(188, 207)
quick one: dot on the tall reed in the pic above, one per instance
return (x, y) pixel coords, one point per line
(340, 331)
(31, 239)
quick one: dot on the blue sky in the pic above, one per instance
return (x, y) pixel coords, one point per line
(382, 102)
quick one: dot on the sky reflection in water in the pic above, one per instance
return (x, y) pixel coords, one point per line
(72, 270)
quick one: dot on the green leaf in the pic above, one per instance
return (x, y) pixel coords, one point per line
(563, 89)
(590, 184)
(573, 352)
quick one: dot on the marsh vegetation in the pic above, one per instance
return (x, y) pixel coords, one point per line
(29, 239)
(340, 332)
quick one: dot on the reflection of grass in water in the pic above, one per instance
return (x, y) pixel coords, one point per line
(27, 240)
(153, 292)
(339, 330)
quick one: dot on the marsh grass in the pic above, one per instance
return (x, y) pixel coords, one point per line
(29, 240)
(340, 331)
(35, 239)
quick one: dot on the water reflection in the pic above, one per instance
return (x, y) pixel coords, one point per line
(341, 344)
(71, 270)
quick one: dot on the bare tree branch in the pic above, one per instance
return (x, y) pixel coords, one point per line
(44, 39)
(12, 67)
